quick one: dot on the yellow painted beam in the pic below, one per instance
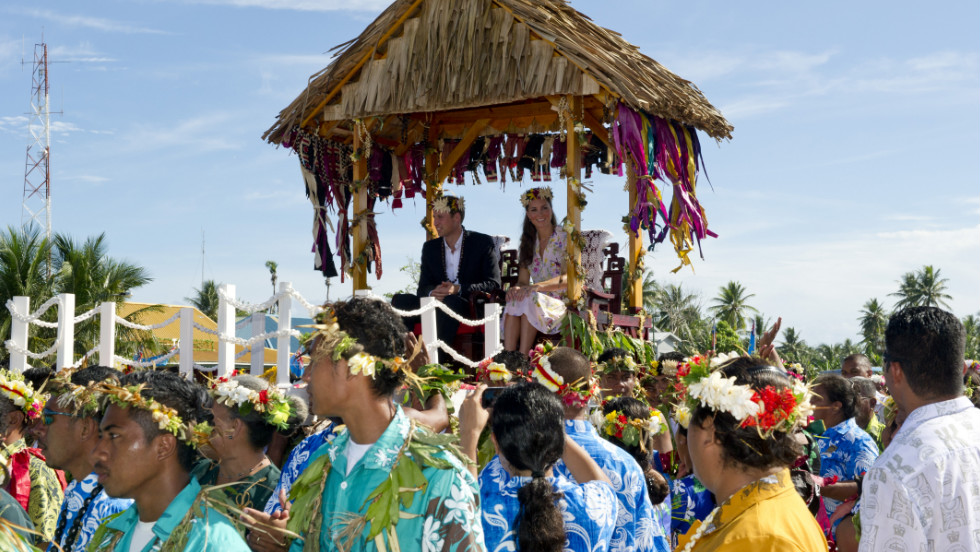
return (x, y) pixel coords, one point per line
(360, 234)
(573, 172)
(635, 246)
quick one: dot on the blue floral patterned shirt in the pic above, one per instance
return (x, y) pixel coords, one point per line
(297, 461)
(846, 451)
(588, 511)
(691, 501)
(444, 516)
(101, 507)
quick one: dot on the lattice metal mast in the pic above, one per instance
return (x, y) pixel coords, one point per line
(37, 170)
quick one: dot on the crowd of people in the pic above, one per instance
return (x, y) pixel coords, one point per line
(548, 451)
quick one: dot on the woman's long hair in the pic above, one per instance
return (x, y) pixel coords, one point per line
(525, 252)
(527, 421)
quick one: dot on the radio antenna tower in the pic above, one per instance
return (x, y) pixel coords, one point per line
(37, 171)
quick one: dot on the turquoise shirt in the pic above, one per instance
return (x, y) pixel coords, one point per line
(445, 516)
(216, 533)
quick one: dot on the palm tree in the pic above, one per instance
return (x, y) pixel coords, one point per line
(829, 356)
(87, 271)
(794, 348)
(971, 323)
(873, 320)
(24, 256)
(762, 324)
(650, 289)
(206, 299)
(677, 311)
(731, 304)
(923, 288)
(274, 276)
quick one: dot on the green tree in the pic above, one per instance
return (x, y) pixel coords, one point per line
(873, 320)
(732, 304)
(923, 288)
(206, 299)
(24, 255)
(971, 323)
(274, 276)
(726, 339)
(762, 324)
(794, 348)
(677, 312)
(87, 271)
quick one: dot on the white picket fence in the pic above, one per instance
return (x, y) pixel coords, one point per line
(63, 348)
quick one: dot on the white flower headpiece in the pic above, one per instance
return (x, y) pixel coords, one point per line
(449, 204)
(543, 192)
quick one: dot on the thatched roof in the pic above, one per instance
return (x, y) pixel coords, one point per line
(430, 56)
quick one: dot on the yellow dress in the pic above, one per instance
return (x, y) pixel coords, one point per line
(766, 515)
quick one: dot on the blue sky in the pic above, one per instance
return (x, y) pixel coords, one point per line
(855, 157)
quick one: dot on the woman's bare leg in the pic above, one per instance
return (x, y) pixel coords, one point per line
(512, 331)
(528, 333)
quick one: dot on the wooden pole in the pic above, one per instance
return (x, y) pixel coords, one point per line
(432, 183)
(573, 172)
(359, 232)
(636, 248)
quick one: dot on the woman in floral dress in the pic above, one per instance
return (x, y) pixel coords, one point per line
(536, 303)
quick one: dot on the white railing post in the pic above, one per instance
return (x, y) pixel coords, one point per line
(66, 331)
(283, 341)
(187, 343)
(107, 334)
(257, 352)
(429, 329)
(226, 329)
(491, 329)
(19, 330)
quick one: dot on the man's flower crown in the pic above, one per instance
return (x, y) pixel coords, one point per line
(19, 392)
(576, 393)
(768, 409)
(543, 192)
(636, 431)
(271, 403)
(329, 339)
(166, 418)
(619, 363)
(449, 204)
(77, 399)
(494, 372)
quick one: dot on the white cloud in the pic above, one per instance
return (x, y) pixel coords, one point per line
(202, 134)
(86, 178)
(96, 23)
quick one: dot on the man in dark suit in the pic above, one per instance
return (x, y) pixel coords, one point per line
(454, 265)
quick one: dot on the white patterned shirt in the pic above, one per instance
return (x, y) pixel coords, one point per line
(923, 492)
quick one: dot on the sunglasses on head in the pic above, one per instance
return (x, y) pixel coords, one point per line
(47, 415)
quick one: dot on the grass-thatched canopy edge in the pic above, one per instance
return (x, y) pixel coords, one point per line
(453, 62)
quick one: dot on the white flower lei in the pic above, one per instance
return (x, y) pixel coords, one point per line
(554, 383)
(362, 363)
(723, 394)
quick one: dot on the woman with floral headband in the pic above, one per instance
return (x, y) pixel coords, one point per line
(741, 438)
(536, 303)
(247, 413)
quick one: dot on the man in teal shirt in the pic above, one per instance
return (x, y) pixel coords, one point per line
(145, 451)
(348, 497)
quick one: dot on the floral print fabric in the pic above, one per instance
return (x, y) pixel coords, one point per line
(846, 451)
(544, 310)
(588, 510)
(101, 507)
(297, 461)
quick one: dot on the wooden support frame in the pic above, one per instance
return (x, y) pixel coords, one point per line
(432, 186)
(635, 283)
(462, 147)
(359, 233)
(573, 172)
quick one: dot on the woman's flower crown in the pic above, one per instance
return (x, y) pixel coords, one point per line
(76, 399)
(619, 363)
(576, 393)
(449, 204)
(166, 418)
(330, 340)
(767, 409)
(635, 431)
(271, 403)
(494, 372)
(24, 397)
(543, 192)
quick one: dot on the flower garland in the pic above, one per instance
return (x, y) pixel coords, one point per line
(449, 204)
(632, 431)
(271, 403)
(488, 370)
(166, 418)
(575, 394)
(19, 392)
(543, 192)
(767, 409)
(619, 363)
(331, 340)
(77, 399)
